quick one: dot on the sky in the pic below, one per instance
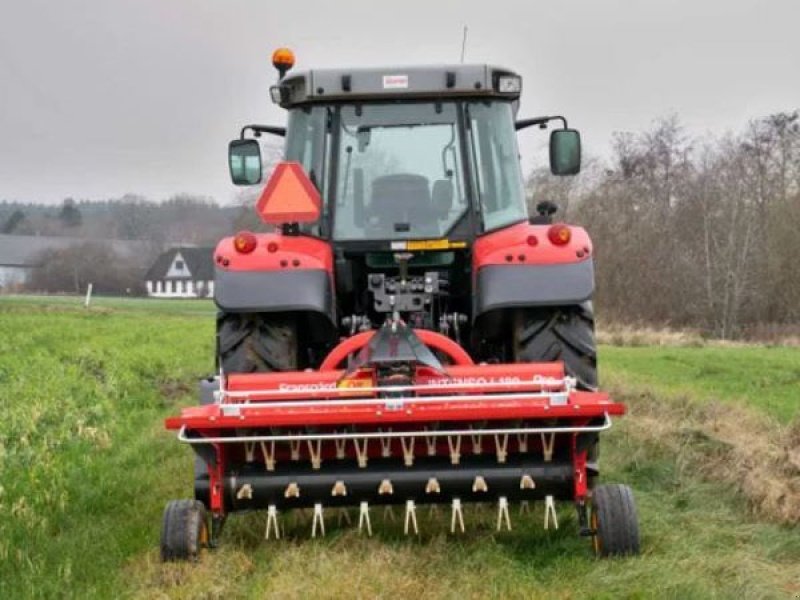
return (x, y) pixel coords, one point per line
(99, 98)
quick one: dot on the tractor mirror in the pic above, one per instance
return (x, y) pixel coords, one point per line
(244, 160)
(565, 152)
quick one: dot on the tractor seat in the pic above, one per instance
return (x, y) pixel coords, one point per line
(402, 198)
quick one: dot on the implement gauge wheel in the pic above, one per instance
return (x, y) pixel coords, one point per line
(614, 521)
(184, 530)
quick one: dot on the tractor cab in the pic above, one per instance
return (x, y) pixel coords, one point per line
(406, 153)
(411, 165)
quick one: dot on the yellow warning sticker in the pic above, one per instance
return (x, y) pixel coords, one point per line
(434, 245)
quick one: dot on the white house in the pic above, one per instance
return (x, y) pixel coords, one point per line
(182, 272)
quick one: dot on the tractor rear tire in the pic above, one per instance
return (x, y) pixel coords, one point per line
(614, 521)
(256, 342)
(563, 333)
(184, 530)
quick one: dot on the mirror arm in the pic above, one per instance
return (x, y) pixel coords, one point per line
(540, 121)
(259, 129)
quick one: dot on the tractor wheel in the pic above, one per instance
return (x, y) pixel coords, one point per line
(256, 342)
(184, 530)
(563, 333)
(614, 521)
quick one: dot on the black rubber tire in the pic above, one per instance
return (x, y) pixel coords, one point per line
(563, 333)
(184, 530)
(256, 342)
(614, 520)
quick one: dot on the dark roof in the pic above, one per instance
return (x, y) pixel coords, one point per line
(26, 250)
(436, 81)
(199, 260)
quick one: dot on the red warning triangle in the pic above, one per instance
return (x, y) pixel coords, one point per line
(289, 196)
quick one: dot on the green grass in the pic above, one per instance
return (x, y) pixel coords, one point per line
(767, 378)
(86, 467)
(168, 305)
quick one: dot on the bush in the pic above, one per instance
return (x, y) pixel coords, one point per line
(71, 269)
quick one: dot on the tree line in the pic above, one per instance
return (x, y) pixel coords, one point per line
(688, 232)
(692, 232)
(180, 219)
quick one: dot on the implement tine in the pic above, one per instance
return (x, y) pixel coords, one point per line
(411, 517)
(457, 516)
(455, 449)
(341, 446)
(272, 522)
(361, 452)
(550, 509)
(430, 442)
(408, 451)
(548, 441)
(363, 518)
(501, 443)
(386, 444)
(388, 513)
(502, 514)
(318, 520)
(316, 454)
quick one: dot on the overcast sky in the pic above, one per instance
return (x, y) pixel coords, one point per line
(99, 98)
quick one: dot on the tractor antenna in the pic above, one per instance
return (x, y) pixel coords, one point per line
(464, 44)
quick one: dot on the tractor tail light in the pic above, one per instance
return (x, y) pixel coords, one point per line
(244, 242)
(559, 234)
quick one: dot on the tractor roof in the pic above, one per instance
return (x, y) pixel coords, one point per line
(395, 83)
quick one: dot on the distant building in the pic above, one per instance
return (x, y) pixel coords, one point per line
(182, 272)
(21, 254)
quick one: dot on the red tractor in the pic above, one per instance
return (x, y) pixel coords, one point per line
(407, 334)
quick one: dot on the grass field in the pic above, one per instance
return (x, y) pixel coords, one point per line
(86, 467)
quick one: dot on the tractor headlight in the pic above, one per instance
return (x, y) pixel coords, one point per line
(275, 94)
(509, 84)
